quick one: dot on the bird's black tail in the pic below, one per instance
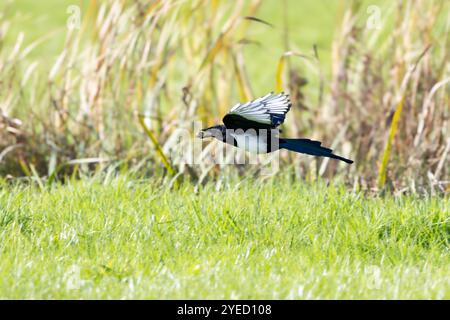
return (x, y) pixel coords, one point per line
(310, 147)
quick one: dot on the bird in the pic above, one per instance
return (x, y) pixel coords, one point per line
(253, 126)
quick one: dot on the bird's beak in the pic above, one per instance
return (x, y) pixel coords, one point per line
(201, 134)
(204, 134)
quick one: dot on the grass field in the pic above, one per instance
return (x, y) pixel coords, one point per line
(379, 228)
(131, 238)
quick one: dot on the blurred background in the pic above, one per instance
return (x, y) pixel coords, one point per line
(93, 87)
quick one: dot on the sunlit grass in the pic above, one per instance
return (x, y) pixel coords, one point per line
(132, 238)
(75, 105)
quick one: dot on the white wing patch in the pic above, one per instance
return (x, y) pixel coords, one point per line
(270, 109)
(251, 142)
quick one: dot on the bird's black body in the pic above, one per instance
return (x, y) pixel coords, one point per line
(253, 126)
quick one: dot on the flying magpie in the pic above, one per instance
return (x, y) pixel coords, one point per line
(253, 126)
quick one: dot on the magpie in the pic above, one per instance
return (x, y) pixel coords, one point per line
(253, 126)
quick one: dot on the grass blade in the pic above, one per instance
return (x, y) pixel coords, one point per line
(280, 68)
(387, 149)
(157, 146)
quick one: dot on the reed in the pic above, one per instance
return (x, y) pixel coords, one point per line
(146, 69)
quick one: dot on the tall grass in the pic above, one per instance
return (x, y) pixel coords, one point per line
(169, 63)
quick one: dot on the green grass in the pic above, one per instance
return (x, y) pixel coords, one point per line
(131, 238)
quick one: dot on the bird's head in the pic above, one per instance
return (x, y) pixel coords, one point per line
(212, 132)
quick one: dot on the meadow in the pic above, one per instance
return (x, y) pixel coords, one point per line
(96, 203)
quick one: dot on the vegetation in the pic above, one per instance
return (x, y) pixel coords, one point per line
(381, 98)
(95, 201)
(130, 238)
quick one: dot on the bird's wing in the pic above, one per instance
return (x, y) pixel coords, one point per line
(266, 112)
